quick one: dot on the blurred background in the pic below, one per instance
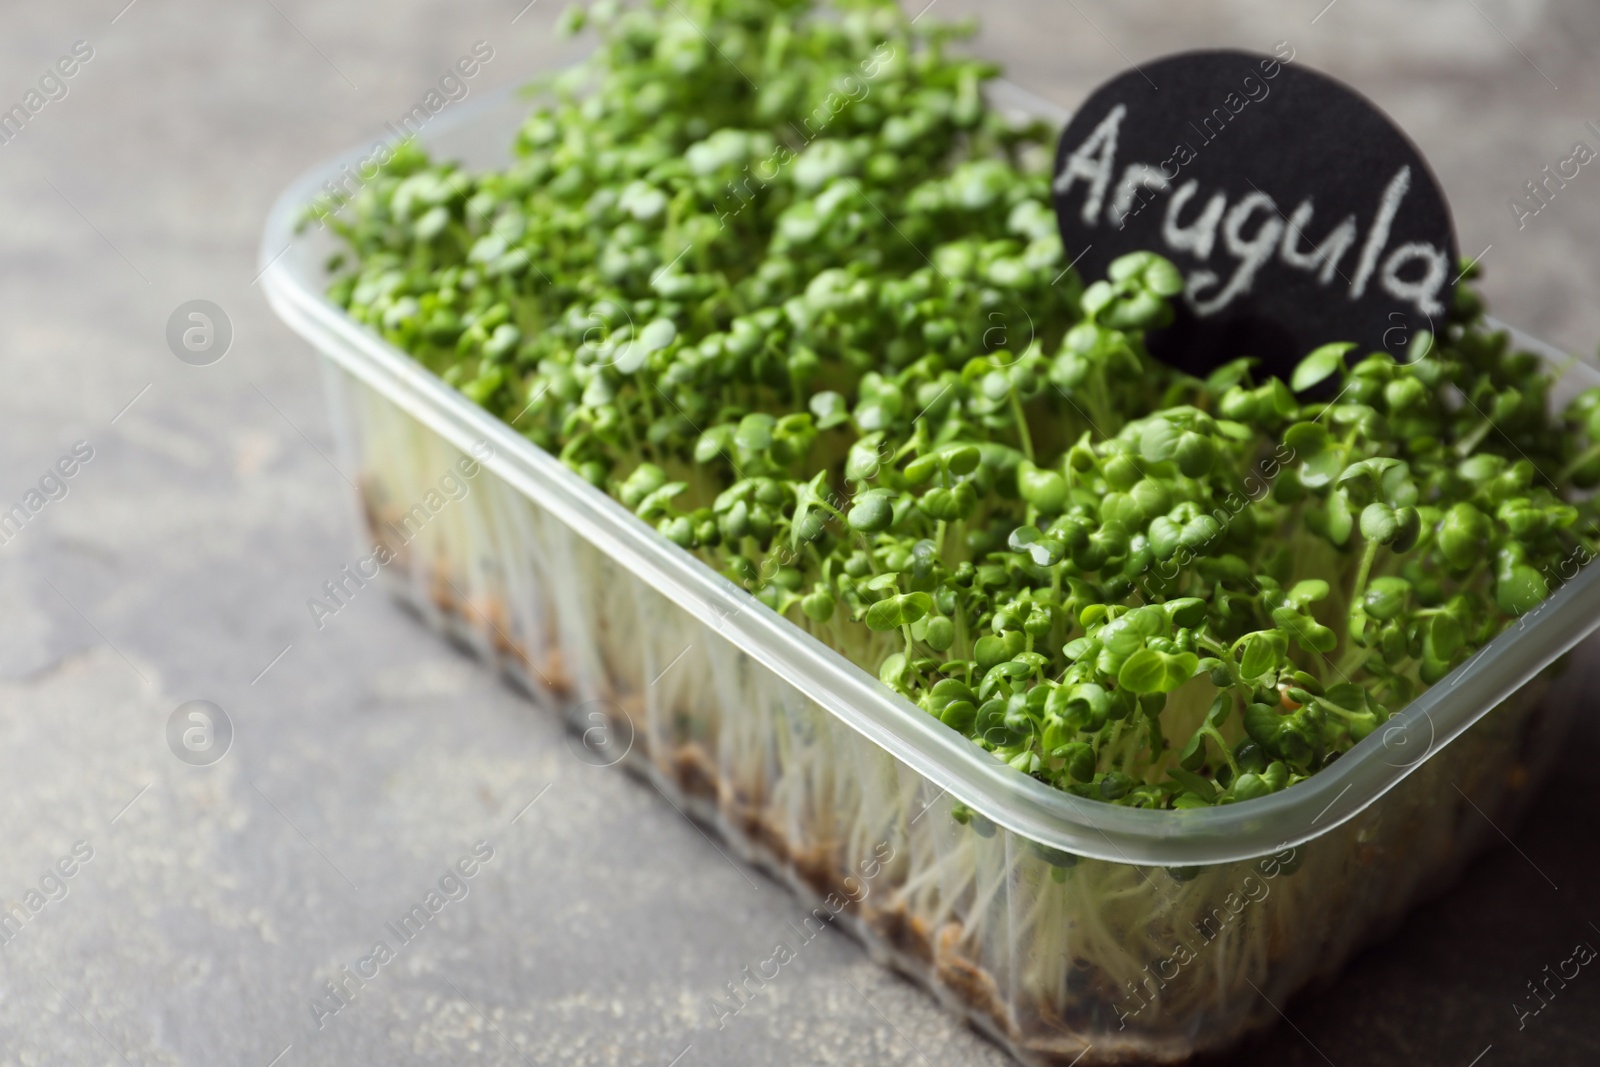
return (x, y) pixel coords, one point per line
(366, 757)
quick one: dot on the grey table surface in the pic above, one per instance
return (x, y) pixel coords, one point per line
(367, 756)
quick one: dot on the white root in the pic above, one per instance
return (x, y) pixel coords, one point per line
(1091, 959)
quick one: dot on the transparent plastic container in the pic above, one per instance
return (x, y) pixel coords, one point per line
(1069, 930)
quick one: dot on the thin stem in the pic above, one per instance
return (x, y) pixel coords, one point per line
(1227, 753)
(1366, 568)
(1022, 425)
(1588, 455)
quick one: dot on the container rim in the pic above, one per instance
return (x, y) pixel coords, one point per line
(293, 279)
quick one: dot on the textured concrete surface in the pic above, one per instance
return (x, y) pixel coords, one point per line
(215, 902)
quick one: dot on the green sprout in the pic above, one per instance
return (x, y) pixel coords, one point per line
(822, 334)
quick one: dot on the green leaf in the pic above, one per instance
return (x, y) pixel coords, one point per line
(1186, 611)
(1307, 592)
(1044, 489)
(921, 469)
(940, 634)
(1149, 671)
(1306, 631)
(1143, 672)
(1398, 488)
(755, 432)
(914, 606)
(1162, 278)
(1235, 431)
(1320, 461)
(1318, 638)
(819, 603)
(1283, 401)
(1378, 523)
(991, 650)
(656, 502)
(1097, 297)
(1442, 637)
(1263, 723)
(1408, 522)
(863, 462)
(872, 512)
(1259, 653)
(645, 479)
(830, 409)
(948, 689)
(1181, 667)
(959, 715)
(1158, 441)
(893, 670)
(806, 499)
(1481, 467)
(1013, 668)
(1347, 695)
(1195, 784)
(1193, 755)
(1230, 374)
(1046, 552)
(885, 615)
(1462, 535)
(1373, 469)
(1130, 265)
(1032, 660)
(1321, 469)
(657, 334)
(1250, 786)
(1080, 760)
(1340, 521)
(1319, 365)
(1022, 537)
(1149, 620)
(1115, 785)
(1386, 597)
(963, 459)
(1195, 454)
(1307, 438)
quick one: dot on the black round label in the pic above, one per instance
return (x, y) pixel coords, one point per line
(1297, 211)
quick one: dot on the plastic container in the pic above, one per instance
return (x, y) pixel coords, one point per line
(1071, 931)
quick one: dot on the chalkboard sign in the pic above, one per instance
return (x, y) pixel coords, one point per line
(1298, 213)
